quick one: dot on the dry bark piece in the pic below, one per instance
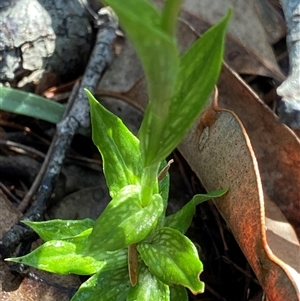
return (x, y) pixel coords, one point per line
(51, 35)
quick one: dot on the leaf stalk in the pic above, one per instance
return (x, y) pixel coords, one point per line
(149, 183)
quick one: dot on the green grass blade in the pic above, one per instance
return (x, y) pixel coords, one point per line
(31, 105)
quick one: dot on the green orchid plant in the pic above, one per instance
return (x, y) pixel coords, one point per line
(133, 251)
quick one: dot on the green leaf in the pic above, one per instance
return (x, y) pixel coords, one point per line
(143, 25)
(104, 286)
(29, 104)
(181, 220)
(200, 198)
(169, 16)
(118, 146)
(69, 257)
(161, 86)
(199, 70)
(148, 288)
(132, 9)
(124, 221)
(173, 258)
(178, 293)
(59, 229)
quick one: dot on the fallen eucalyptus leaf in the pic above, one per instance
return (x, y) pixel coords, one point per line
(225, 143)
(276, 147)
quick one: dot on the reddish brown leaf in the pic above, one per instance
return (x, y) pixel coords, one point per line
(221, 155)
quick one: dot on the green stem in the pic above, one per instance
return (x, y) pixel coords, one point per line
(169, 16)
(149, 185)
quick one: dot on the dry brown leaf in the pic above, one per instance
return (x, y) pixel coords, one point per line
(247, 47)
(123, 72)
(84, 203)
(9, 214)
(276, 147)
(272, 21)
(221, 155)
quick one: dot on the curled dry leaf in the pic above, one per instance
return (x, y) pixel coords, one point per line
(221, 154)
(276, 147)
